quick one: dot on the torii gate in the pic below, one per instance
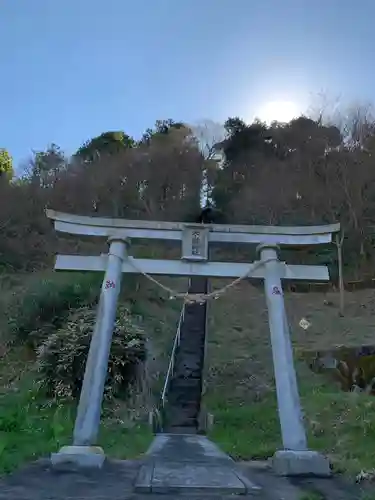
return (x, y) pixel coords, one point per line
(295, 457)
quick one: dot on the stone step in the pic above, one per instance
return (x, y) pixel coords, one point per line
(188, 362)
(189, 358)
(183, 375)
(176, 402)
(177, 411)
(185, 380)
(184, 429)
(182, 392)
(190, 426)
(182, 401)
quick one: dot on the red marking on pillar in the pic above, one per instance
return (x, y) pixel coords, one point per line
(110, 284)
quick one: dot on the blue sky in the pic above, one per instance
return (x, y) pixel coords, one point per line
(73, 69)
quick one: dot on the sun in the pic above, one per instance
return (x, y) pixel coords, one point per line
(280, 111)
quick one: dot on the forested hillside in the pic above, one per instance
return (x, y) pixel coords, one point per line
(304, 172)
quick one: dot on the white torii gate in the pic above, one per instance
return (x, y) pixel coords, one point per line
(295, 458)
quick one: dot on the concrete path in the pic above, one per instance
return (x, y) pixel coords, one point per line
(177, 463)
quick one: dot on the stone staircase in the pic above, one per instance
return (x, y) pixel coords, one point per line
(183, 402)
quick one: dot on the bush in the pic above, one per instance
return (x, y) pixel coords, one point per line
(61, 359)
(44, 305)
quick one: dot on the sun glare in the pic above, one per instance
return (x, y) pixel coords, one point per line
(280, 111)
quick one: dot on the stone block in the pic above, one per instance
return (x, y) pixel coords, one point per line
(143, 482)
(301, 463)
(78, 456)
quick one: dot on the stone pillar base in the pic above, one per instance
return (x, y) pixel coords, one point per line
(205, 421)
(155, 421)
(78, 456)
(300, 463)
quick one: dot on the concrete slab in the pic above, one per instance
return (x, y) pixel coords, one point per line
(301, 463)
(186, 448)
(78, 456)
(186, 464)
(195, 478)
(188, 478)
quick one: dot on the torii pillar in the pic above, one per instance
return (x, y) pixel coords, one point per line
(87, 423)
(295, 458)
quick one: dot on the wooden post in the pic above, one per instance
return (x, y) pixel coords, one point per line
(339, 239)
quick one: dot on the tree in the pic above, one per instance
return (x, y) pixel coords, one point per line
(161, 128)
(244, 149)
(107, 143)
(47, 164)
(6, 164)
(208, 134)
(243, 138)
(173, 169)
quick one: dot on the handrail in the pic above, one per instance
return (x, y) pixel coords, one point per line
(176, 343)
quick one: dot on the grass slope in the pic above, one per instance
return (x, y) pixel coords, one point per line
(32, 426)
(240, 385)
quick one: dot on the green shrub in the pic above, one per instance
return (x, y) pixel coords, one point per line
(44, 304)
(61, 358)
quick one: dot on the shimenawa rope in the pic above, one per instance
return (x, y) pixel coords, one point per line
(200, 298)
